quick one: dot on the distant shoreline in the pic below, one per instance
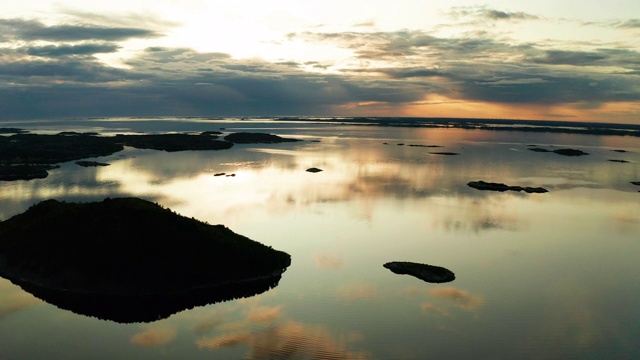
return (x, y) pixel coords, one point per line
(537, 126)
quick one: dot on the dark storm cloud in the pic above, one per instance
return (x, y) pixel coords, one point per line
(31, 30)
(67, 50)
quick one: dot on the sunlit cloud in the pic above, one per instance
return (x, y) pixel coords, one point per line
(154, 336)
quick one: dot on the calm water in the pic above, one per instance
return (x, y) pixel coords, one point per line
(538, 276)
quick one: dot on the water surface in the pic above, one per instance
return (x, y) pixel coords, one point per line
(549, 275)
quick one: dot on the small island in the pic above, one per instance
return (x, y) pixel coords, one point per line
(482, 185)
(107, 258)
(86, 163)
(26, 156)
(444, 153)
(425, 272)
(25, 171)
(174, 142)
(257, 138)
(565, 152)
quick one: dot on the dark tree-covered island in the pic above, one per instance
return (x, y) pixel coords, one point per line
(491, 186)
(25, 156)
(130, 260)
(425, 272)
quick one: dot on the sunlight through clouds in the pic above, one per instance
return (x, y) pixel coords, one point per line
(496, 59)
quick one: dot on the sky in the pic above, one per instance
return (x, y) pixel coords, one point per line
(561, 60)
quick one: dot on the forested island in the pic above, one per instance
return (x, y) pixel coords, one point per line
(26, 156)
(131, 251)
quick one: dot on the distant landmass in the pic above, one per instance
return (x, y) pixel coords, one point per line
(26, 156)
(127, 253)
(542, 126)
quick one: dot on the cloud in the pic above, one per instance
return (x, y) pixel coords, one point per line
(67, 50)
(32, 30)
(505, 15)
(85, 73)
(147, 20)
(387, 71)
(629, 24)
(577, 58)
(485, 13)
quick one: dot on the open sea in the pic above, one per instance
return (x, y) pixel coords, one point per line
(538, 275)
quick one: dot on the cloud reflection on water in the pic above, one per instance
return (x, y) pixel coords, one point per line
(154, 335)
(14, 299)
(290, 340)
(463, 299)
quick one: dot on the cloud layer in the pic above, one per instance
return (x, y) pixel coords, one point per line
(59, 70)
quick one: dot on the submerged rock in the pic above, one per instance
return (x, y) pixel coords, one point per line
(482, 185)
(425, 272)
(127, 252)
